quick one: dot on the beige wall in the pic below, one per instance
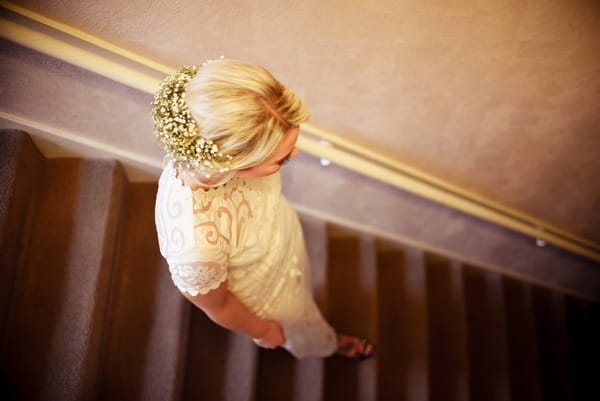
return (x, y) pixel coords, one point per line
(500, 97)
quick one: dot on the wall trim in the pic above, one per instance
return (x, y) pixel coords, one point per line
(101, 148)
(76, 47)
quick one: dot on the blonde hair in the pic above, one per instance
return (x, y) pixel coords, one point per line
(243, 109)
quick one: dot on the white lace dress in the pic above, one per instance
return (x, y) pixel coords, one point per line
(244, 232)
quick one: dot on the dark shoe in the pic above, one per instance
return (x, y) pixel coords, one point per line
(347, 349)
(362, 356)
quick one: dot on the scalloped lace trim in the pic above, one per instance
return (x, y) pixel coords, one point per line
(197, 278)
(208, 193)
(257, 185)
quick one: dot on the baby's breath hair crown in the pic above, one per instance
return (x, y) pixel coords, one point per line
(177, 130)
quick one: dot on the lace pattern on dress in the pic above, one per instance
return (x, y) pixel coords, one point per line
(197, 278)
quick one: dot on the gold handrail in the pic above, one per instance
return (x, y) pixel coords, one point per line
(76, 47)
(86, 37)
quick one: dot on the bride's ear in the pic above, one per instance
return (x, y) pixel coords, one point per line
(243, 173)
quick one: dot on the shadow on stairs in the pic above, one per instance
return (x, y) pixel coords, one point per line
(88, 310)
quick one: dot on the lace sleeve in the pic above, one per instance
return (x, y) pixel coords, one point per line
(198, 278)
(197, 266)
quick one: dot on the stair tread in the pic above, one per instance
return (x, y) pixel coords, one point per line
(351, 309)
(148, 318)
(221, 364)
(553, 348)
(61, 341)
(55, 330)
(20, 173)
(447, 330)
(488, 350)
(280, 375)
(585, 351)
(402, 293)
(276, 373)
(522, 341)
(315, 239)
(308, 383)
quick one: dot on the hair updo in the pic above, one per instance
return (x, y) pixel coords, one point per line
(244, 110)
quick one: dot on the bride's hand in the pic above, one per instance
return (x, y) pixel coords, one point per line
(273, 336)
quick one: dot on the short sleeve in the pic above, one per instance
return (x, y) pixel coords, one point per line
(195, 267)
(197, 278)
(199, 269)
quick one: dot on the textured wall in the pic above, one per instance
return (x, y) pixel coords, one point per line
(61, 95)
(500, 97)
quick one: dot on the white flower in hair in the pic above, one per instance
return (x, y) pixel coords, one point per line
(177, 130)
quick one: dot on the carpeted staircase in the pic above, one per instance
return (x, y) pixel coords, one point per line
(88, 310)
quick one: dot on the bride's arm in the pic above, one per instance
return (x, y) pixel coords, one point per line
(226, 310)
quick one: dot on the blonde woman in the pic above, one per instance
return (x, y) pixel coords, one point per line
(233, 244)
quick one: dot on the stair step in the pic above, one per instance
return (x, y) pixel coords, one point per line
(315, 238)
(308, 384)
(309, 373)
(276, 373)
(20, 176)
(88, 310)
(55, 330)
(584, 348)
(447, 330)
(584, 331)
(488, 350)
(402, 292)
(280, 375)
(221, 364)
(241, 363)
(148, 318)
(553, 346)
(351, 309)
(522, 341)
